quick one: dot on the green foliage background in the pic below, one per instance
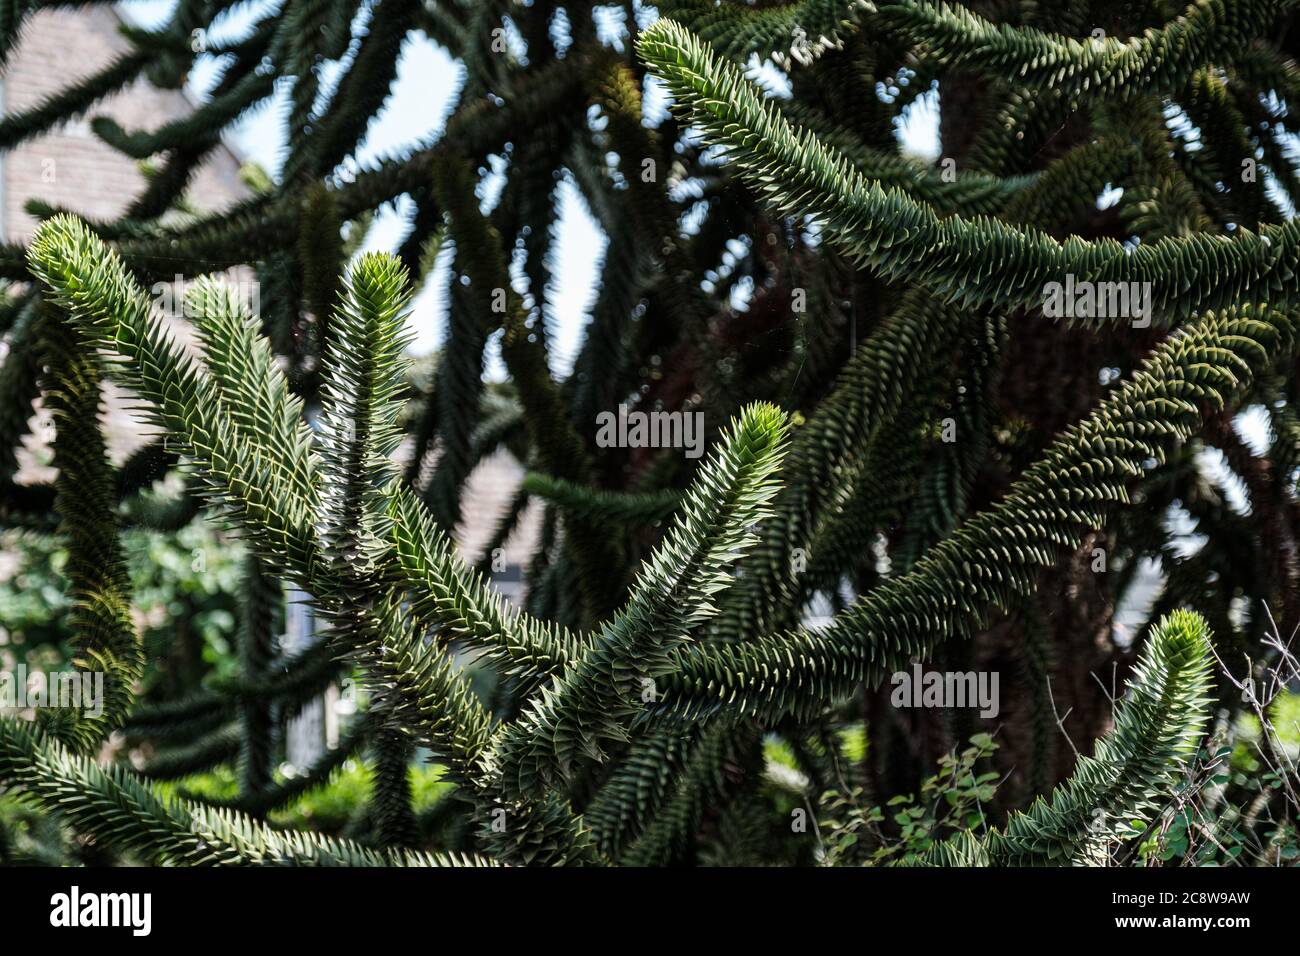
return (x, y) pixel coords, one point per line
(895, 432)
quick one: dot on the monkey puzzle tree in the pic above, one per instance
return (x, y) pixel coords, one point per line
(895, 426)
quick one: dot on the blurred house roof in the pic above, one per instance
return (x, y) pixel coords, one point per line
(72, 168)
